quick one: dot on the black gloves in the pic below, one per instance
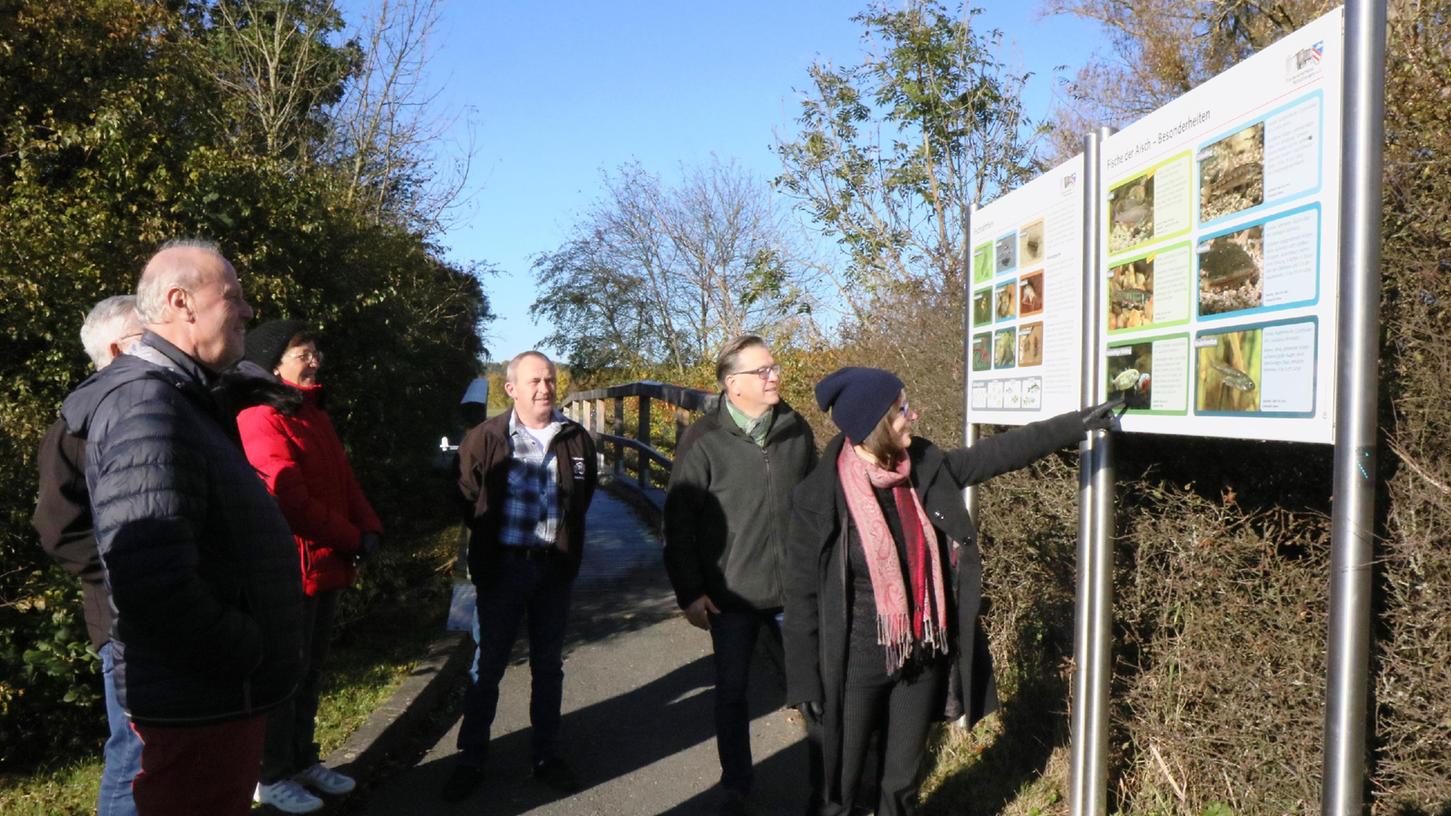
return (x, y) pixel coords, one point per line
(1104, 416)
(811, 712)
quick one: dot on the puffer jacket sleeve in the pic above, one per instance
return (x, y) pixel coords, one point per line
(149, 488)
(275, 454)
(1018, 448)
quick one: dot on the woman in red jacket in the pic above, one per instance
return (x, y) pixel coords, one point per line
(302, 461)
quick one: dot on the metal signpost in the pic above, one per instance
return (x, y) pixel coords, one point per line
(1351, 536)
(969, 428)
(1093, 620)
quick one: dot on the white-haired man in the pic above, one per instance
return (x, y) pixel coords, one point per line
(200, 563)
(63, 520)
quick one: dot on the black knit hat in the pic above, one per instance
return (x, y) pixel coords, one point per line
(267, 342)
(858, 398)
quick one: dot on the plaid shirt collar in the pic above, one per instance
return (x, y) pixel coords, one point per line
(531, 503)
(556, 422)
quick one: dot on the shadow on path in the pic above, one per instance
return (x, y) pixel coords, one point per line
(638, 725)
(605, 741)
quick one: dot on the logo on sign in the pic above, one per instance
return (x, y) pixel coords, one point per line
(1305, 62)
(1069, 182)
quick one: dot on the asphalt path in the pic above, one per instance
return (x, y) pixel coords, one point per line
(637, 728)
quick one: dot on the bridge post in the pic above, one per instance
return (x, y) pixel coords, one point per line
(642, 433)
(597, 423)
(618, 429)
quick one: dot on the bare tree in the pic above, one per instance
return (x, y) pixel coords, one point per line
(272, 61)
(690, 267)
(360, 107)
(387, 129)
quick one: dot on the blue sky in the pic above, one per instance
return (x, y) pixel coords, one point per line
(554, 93)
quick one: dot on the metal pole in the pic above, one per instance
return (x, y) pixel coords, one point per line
(1352, 516)
(1093, 619)
(1100, 671)
(969, 428)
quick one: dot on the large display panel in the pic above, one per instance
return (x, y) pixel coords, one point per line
(1220, 250)
(1026, 301)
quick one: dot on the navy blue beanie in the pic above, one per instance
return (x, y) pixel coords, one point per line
(858, 398)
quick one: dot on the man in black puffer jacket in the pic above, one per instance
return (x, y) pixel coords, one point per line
(200, 565)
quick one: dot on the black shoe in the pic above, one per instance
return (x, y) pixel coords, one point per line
(734, 803)
(554, 773)
(461, 783)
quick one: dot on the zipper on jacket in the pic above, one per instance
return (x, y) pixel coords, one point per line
(776, 540)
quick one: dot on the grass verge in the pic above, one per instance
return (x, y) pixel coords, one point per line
(384, 629)
(1014, 762)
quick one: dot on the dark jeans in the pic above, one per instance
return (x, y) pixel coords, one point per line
(515, 588)
(900, 712)
(289, 747)
(733, 635)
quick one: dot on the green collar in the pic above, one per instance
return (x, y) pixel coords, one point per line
(756, 428)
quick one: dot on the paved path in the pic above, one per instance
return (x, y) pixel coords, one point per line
(638, 725)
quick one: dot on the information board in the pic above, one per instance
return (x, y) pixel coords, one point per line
(1026, 301)
(1221, 250)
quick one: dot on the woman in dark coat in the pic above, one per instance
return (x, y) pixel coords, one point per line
(884, 584)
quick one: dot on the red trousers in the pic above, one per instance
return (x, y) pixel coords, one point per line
(196, 770)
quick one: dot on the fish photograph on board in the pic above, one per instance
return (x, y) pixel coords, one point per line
(1232, 173)
(1227, 373)
(1131, 294)
(1131, 213)
(1231, 275)
(1130, 374)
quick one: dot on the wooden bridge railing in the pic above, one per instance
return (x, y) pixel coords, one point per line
(606, 422)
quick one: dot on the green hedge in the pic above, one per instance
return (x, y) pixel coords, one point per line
(114, 138)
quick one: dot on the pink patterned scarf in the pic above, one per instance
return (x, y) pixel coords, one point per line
(928, 610)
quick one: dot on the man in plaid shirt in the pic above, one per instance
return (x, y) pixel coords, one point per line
(528, 476)
(531, 514)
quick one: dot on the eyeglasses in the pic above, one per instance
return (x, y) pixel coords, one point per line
(764, 372)
(305, 357)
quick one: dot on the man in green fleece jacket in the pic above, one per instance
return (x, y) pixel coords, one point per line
(727, 514)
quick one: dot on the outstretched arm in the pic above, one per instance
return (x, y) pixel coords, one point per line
(1014, 449)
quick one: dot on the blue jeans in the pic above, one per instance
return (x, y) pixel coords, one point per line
(516, 588)
(123, 749)
(733, 635)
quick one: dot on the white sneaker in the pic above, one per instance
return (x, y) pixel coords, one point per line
(287, 796)
(326, 780)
